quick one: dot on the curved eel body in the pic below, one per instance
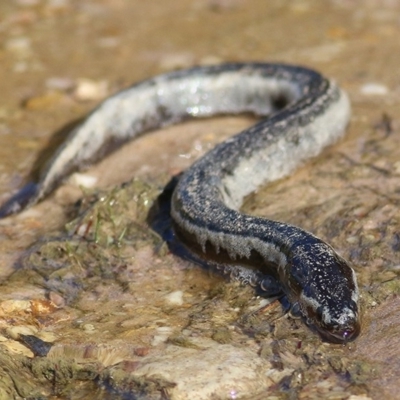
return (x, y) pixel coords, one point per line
(307, 112)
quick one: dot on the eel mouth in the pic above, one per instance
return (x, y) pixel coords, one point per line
(342, 335)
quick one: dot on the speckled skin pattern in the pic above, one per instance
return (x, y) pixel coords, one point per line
(307, 112)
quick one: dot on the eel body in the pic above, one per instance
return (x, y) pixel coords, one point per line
(306, 112)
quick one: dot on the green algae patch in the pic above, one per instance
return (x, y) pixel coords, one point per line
(222, 335)
(109, 228)
(182, 341)
(116, 217)
(16, 380)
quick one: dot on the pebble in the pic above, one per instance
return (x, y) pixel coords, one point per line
(141, 351)
(20, 45)
(18, 348)
(163, 332)
(370, 224)
(352, 239)
(40, 307)
(261, 304)
(215, 371)
(396, 167)
(57, 299)
(83, 180)
(88, 328)
(82, 230)
(47, 336)
(8, 307)
(14, 331)
(175, 298)
(60, 83)
(374, 89)
(88, 89)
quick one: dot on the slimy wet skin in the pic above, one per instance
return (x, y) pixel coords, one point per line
(306, 113)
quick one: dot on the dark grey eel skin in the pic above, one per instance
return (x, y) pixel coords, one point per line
(306, 113)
